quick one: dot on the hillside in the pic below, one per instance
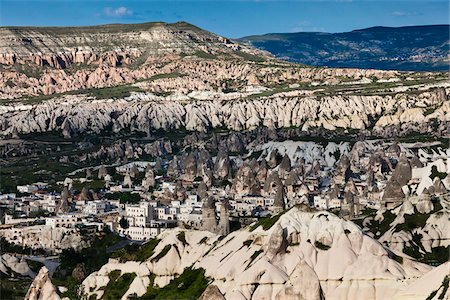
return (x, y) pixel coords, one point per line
(152, 76)
(60, 47)
(292, 256)
(412, 48)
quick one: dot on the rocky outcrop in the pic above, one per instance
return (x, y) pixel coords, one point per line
(42, 288)
(141, 111)
(212, 292)
(10, 264)
(294, 259)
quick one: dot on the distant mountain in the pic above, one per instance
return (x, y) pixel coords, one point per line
(414, 48)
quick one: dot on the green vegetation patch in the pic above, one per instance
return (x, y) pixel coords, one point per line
(437, 256)
(321, 246)
(247, 243)
(267, 222)
(203, 240)
(435, 173)
(7, 247)
(253, 257)
(379, 228)
(165, 75)
(250, 57)
(14, 289)
(163, 253)
(444, 287)
(117, 286)
(415, 220)
(182, 238)
(93, 257)
(35, 266)
(135, 252)
(124, 197)
(114, 92)
(189, 285)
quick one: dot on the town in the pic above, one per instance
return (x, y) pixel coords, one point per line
(139, 199)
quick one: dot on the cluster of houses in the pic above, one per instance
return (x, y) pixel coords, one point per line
(154, 203)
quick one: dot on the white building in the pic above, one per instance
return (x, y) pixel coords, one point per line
(27, 188)
(96, 207)
(320, 202)
(66, 221)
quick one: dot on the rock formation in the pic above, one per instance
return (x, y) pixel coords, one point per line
(42, 288)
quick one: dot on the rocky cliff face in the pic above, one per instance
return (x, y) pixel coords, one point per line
(42, 288)
(401, 112)
(171, 76)
(113, 44)
(295, 258)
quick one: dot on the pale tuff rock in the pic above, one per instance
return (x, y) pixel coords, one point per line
(415, 162)
(222, 166)
(426, 285)
(209, 221)
(84, 114)
(245, 181)
(438, 186)
(273, 159)
(289, 261)
(272, 183)
(85, 194)
(434, 231)
(261, 173)
(202, 191)
(424, 205)
(127, 182)
(402, 173)
(212, 292)
(279, 202)
(47, 238)
(303, 284)
(285, 166)
(134, 172)
(42, 288)
(190, 166)
(102, 172)
(149, 179)
(174, 168)
(277, 242)
(400, 177)
(64, 205)
(10, 263)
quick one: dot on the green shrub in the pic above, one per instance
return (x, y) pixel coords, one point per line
(203, 240)
(124, 197)
(189, 285)
(321, 246)
(136, 252)
(163, 253)
(267, 222)
(35, 266)
(15, 289)
(247, 243)
(182, 238)
(117, 286)
(253, 257)
(435, 173)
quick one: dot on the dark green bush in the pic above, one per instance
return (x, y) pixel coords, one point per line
(189, 285)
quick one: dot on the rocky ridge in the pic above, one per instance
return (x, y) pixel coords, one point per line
(299, 250)
(75, 114)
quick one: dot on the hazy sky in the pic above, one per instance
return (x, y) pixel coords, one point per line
(231, 18)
